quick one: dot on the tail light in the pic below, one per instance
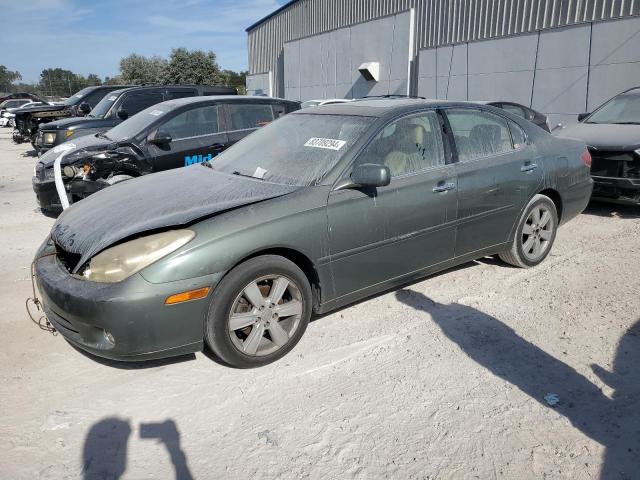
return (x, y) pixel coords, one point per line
(586, 158)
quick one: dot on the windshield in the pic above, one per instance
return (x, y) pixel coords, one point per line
(297, 149)
(623, 109)
(77, 97)
(134, 125)
(103, 106)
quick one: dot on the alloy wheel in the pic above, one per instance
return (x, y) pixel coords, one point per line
(537, 233)
(265, 315)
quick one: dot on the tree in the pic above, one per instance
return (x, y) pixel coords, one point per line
(7, 77)
(138, 69)
(197, 66)
(93, 80)
(235, 79)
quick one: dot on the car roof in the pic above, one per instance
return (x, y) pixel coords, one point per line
(379, 107)
(179, 102)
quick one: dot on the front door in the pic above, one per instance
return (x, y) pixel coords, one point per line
(496, 177)
(380, 234)
(195, 138)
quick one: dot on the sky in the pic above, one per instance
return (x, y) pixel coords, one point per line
(91, 36)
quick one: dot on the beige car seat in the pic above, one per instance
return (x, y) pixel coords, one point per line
(407, 144)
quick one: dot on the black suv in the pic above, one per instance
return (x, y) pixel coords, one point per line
(171, 134)
(612, 133)
(30, 118)
(117, 107)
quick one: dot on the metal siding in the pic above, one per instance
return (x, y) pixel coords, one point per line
(439, 22)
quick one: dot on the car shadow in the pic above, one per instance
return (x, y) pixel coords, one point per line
(607, 209)
(613, 422)
(104, 454)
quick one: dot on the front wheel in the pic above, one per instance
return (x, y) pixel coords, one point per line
(535, 234)
(258, 312)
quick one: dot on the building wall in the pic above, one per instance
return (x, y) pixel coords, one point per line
(438, 22)
(260, 84)
(560, 72)
(326, 65)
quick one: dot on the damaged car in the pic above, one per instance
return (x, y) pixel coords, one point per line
(116, 107)
(612, 133)
(172, 134)
(319, 209)
(29, 120)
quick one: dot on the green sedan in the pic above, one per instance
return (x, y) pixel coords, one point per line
(321, 208)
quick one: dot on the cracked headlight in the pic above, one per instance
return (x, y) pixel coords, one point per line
(49, 138)
(117, 263)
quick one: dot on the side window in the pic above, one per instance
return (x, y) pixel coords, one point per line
(517, 134)
(279, 110)
(408, 145)
(478, 134)
(137, 102)
(244, 116)
(196, 122)
(182, 93)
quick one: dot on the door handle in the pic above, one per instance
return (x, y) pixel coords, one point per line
(217, 146)
(529, 167)
(443, 187)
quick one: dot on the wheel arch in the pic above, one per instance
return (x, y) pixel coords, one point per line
(301, 260)
(556, 198)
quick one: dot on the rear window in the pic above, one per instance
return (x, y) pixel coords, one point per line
(246, 116)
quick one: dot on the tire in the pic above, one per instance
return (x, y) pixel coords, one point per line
(531, 233)
(258, 339)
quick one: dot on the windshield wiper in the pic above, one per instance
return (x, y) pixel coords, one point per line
(245, 175)
(626, 123)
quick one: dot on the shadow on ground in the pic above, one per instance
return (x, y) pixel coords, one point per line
(105, 448)
(608, 210)
(612, 422)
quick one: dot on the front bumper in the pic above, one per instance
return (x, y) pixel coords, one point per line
(47, 195)
(132, 311)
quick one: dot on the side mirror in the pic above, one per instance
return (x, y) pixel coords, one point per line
(85, 108)
(371, 175)
(160, 137)
(582, 116)
(122, 114)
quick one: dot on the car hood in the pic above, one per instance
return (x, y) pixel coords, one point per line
(152, 202)
(604, 136)
(43, 108)
(77, 122)
(87, 144)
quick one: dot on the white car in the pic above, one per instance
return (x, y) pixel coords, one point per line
(7, 115)
(317, 103)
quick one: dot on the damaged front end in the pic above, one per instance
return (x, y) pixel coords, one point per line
(616, 175)
(87, 175)
(28, 122)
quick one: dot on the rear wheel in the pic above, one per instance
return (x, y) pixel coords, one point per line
(258, 312)
(535, 234)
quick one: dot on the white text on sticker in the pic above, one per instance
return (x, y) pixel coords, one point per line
(328, 143)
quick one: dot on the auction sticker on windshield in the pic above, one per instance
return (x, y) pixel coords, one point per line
(329, 143)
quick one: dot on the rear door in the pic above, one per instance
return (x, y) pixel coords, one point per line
(244, 118)
(195, 135)
(496, 177)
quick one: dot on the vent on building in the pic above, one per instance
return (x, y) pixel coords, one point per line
(370, 71)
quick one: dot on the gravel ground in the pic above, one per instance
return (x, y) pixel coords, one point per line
(446, 378)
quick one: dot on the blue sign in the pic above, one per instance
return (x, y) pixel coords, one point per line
(193, 159)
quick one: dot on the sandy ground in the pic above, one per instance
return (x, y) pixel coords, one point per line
(444, 379)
